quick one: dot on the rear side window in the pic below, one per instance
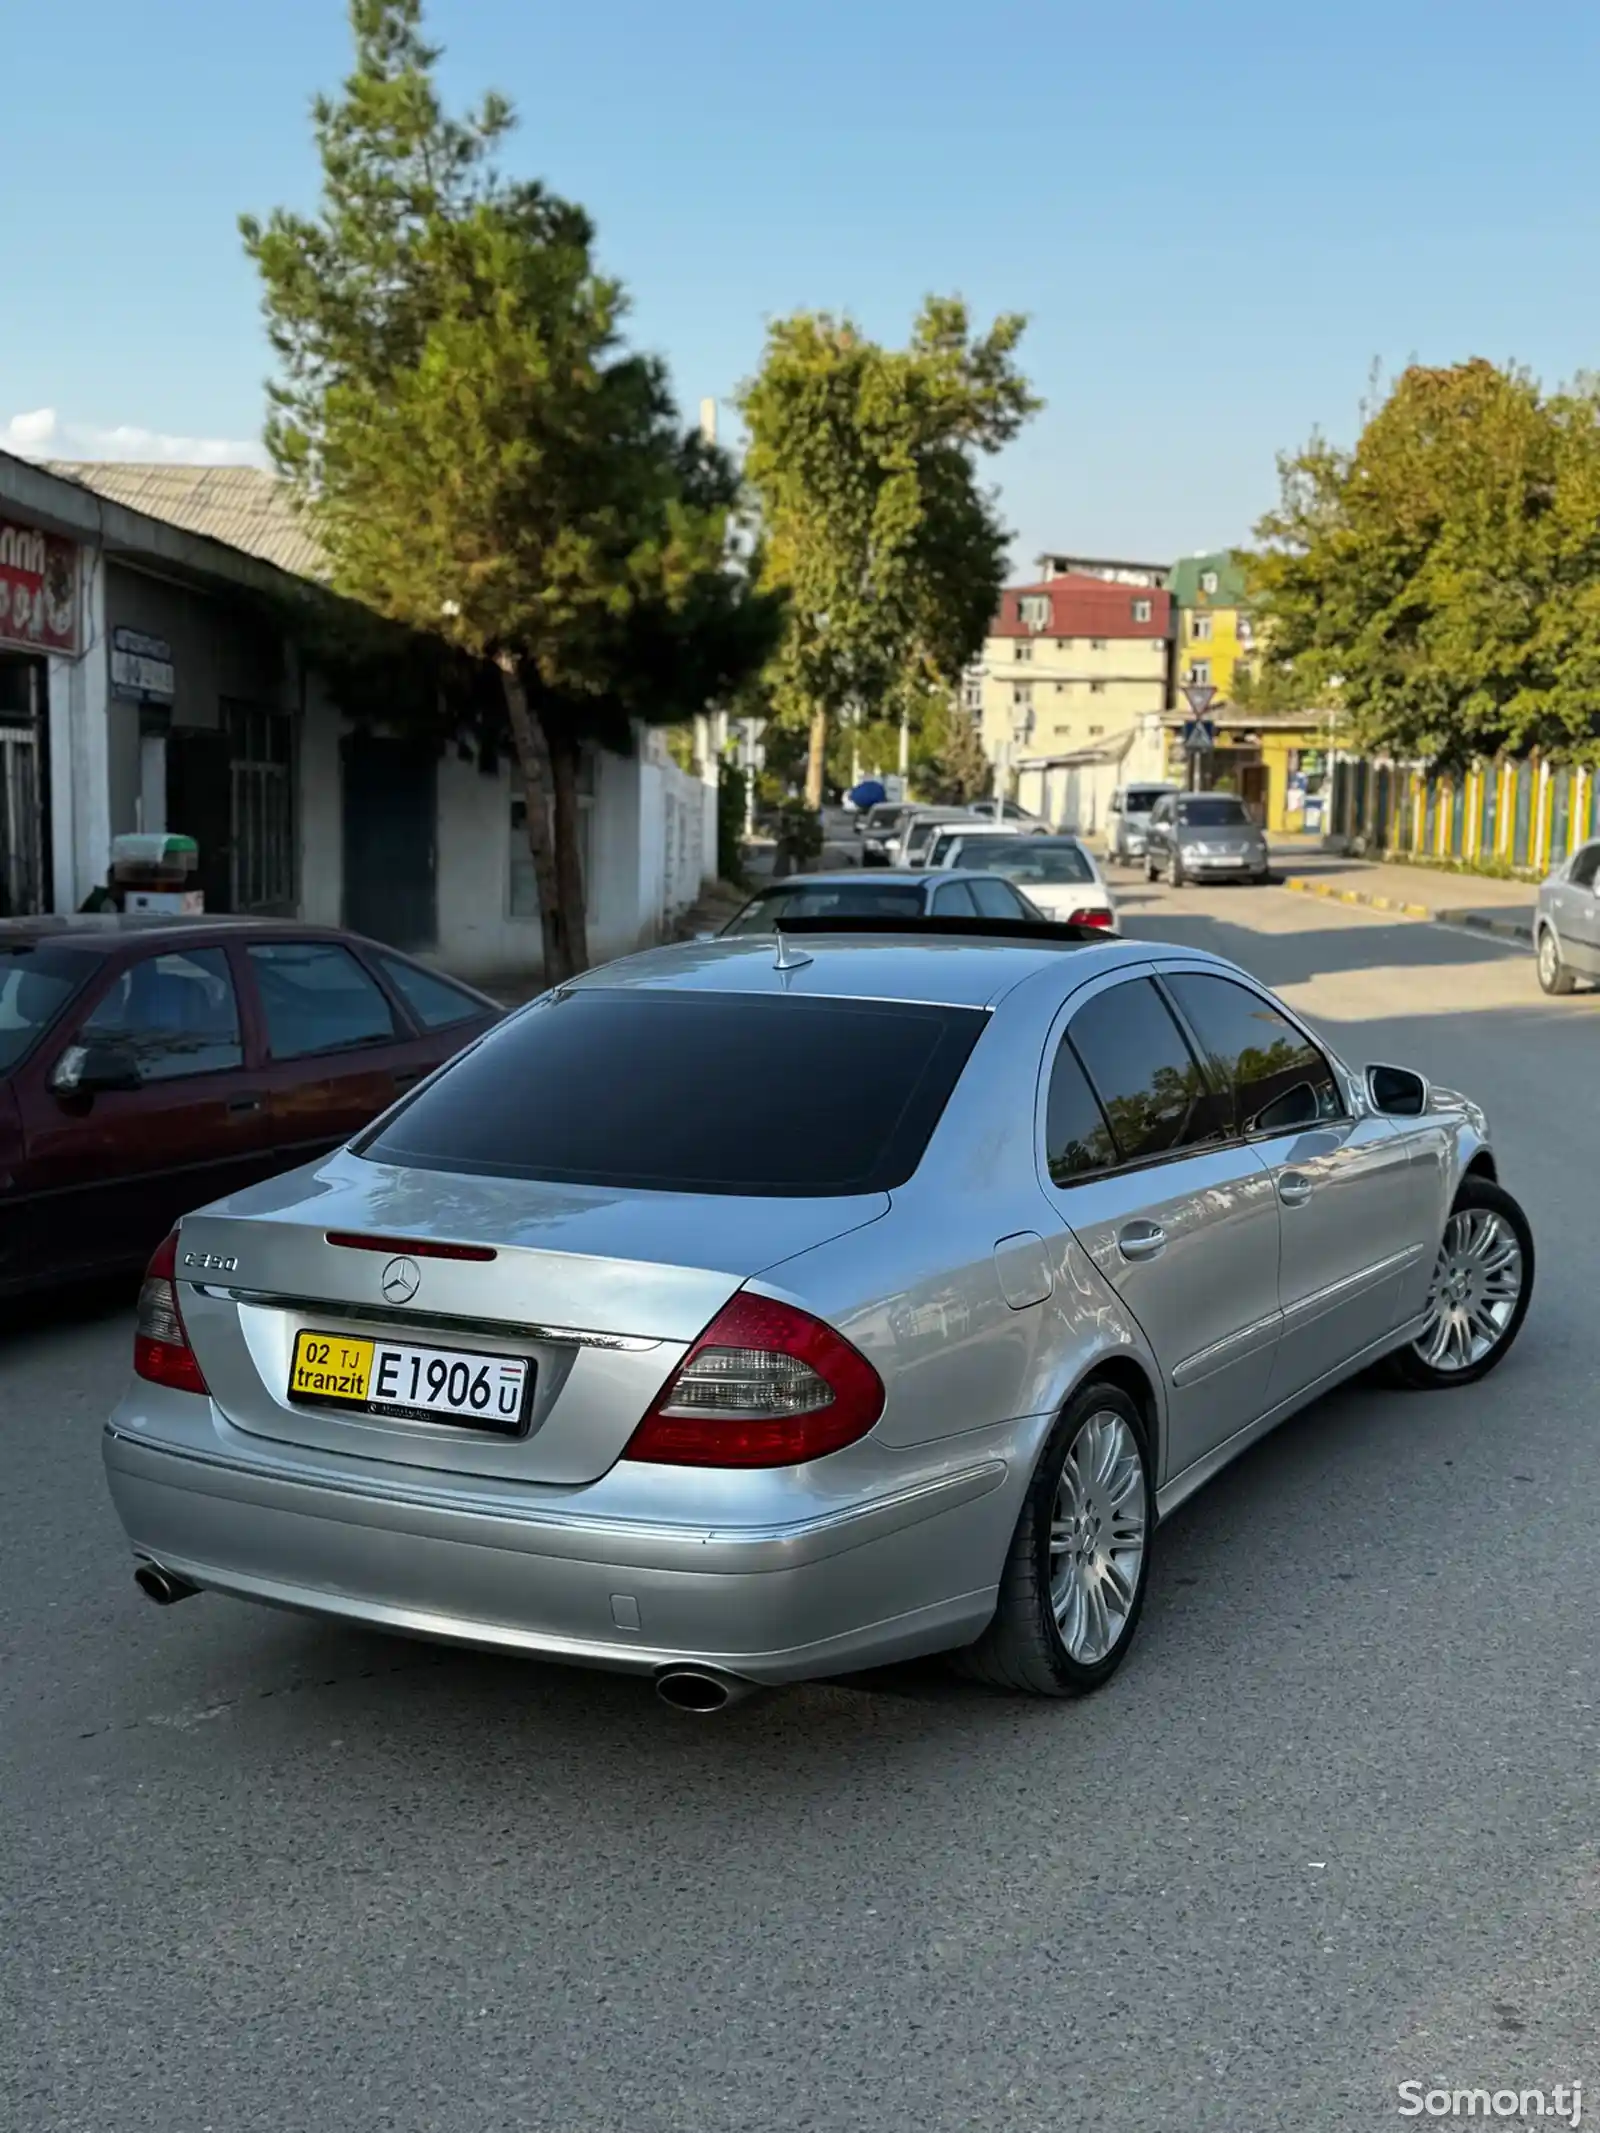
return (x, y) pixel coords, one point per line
(1279, 1078)
(1152, 1089)
(954, 900)
(995, 900)
(699, 1092)
(1582, 871)
(1077, 1139)
(891, 900)
(436, 1003)
(317, 998)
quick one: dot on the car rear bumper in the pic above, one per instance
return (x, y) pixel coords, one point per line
(908, 1571)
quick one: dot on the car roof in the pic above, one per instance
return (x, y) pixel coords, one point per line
(106, 931)
(863, 877)
(1208, 794)
(969, 970)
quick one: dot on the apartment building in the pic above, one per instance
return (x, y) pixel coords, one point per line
(1215, 636)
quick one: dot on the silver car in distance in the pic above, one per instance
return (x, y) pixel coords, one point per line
(777, 1306)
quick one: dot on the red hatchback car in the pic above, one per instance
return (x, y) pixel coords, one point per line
(148, 1066)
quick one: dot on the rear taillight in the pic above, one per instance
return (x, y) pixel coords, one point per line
(1090, 916)
(764, 1385)
(161, 1350)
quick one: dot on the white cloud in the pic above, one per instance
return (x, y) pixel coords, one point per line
(42, 434)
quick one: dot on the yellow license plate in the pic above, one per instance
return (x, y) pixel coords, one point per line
(330, 1366)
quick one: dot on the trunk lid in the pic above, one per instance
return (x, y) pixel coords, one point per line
(602, 1291)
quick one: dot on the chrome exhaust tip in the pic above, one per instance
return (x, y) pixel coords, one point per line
(162, 1586)
(701, 1690)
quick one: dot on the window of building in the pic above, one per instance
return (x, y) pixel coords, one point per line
(1208, 581)
(1200, 628)
(261, 744)
(1200, 672)
(1023, 649)
(1141, 610)
(1246, 631)
(1065, 644)
(1033, 610)
(1097, 688)
(1093, 730)
(524, 896)
(1022, 692)
(1097, 644)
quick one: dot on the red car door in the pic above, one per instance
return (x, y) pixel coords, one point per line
(109, 1169)
(332, 1042)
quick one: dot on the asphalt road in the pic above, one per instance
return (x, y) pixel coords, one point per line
(1333, 1827)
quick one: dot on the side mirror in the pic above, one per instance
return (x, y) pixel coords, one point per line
(1396, 1091)
(95, 1069)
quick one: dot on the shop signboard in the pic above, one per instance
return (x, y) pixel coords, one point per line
(38, 590)
(141, 668)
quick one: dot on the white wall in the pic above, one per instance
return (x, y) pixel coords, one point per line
(80, 775)
(652, 842)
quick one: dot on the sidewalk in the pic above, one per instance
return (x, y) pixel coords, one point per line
(1504, 908)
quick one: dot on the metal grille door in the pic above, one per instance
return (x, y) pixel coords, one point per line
(21, 848)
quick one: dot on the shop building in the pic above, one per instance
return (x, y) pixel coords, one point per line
(151, 679)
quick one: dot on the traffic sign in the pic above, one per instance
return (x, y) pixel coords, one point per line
(1199, 696)
(1199, 736)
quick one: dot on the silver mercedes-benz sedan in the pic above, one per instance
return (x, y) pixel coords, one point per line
(778, 1306)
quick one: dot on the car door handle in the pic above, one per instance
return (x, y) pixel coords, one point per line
(1142, 1240)
(1293, 1189)
(241, 1106)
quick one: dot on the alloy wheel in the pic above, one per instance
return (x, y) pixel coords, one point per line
(1097, 1537)
(1477, 1281)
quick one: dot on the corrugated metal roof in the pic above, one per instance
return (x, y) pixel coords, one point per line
(244, 507)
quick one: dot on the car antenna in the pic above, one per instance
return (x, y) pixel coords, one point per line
(788, 958)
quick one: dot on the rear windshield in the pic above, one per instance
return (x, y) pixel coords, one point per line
(693, 1092)
(1018, 860)
(35, 984)
(1212, 814)
(842, 900)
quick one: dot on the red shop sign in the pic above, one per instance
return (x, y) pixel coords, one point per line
(38, 590)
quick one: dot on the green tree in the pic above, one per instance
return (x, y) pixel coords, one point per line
(1440, 582)
(864, 462)
(482, 458)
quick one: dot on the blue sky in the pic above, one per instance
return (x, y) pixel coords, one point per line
(1216, 217)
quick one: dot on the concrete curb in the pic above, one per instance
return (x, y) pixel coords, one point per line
(1356, 896)
(1507, 929)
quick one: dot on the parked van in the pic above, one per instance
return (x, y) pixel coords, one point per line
(1130, 817)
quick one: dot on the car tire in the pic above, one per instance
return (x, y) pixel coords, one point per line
(1174, 871)
(1488, 1245)
(1554, 976)
(1149, 868)
(1066, 1615)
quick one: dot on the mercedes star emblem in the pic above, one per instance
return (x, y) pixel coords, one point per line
(401, 1280)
